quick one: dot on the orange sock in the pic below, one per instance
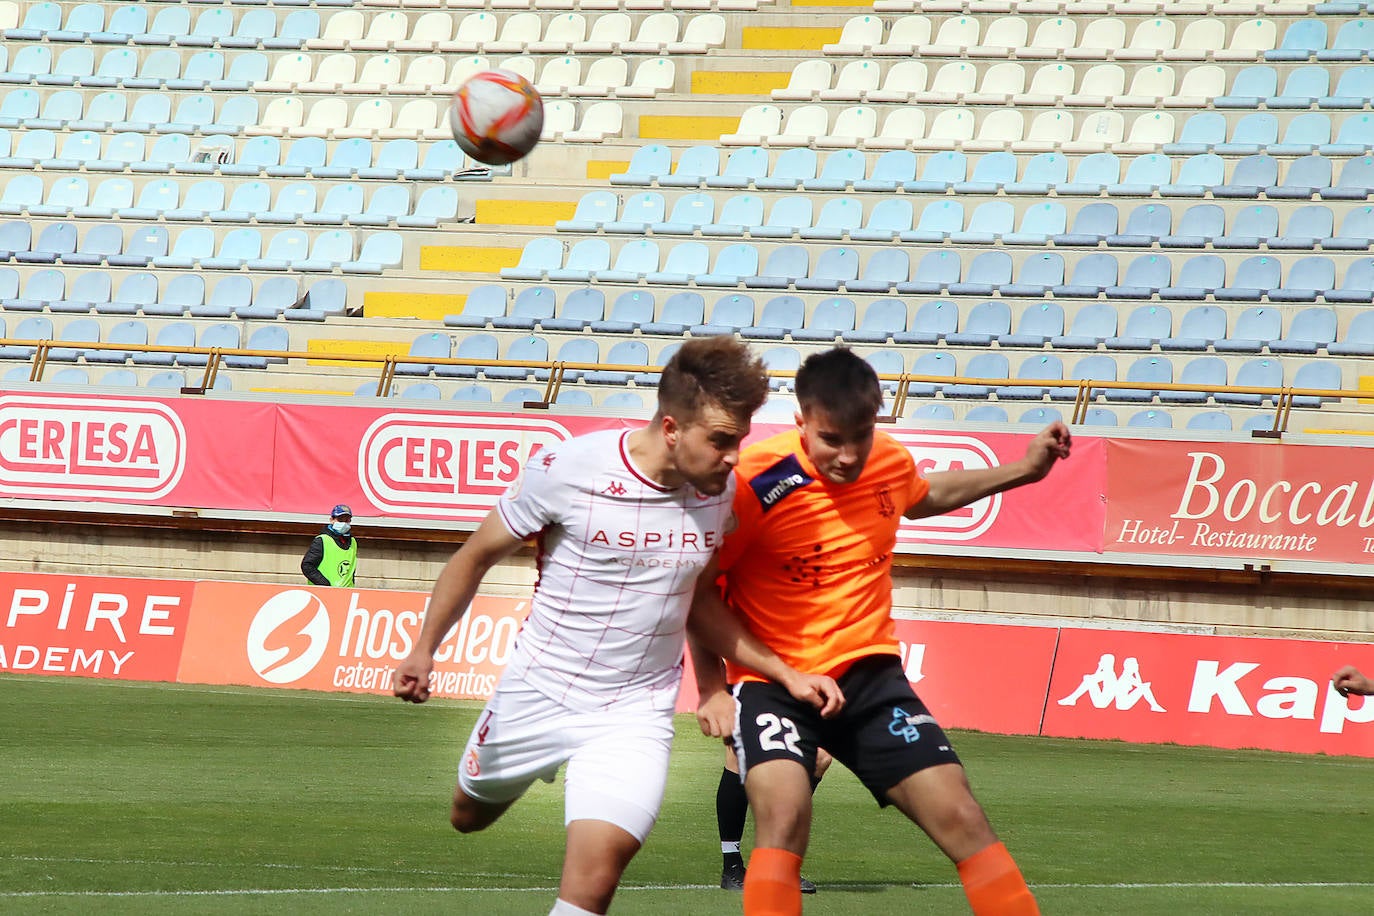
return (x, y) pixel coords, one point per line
(994, 885)
(772, 883)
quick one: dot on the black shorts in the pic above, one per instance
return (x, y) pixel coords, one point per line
(883, 734)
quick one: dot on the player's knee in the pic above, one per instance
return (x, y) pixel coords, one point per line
(466, 818)
(966, 820)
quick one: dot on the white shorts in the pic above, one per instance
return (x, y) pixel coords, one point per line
(617, 759)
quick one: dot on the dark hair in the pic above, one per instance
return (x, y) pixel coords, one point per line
(717, 370)
(841, 383)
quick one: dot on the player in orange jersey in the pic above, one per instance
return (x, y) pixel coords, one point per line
(809, 569)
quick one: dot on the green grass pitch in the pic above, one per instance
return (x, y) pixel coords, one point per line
(155, 798)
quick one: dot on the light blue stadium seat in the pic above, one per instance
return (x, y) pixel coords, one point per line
(1356, 180)
(199, 72)
(1095, 368)
(742, 168)
(1251, 134)
(1301, 41)
(891, 171)
(1092, 224)
(1145, 276)
(273, 297)
(348, 157)
(15, 235)
(135, 291)
(380, 251)
(939, 173)
(54, 242)
(787, 218)
(580, 309)
(639, 212)
(99, 242)
(111, 196)
(82, 21)
(784, 266)
(574, 397)
(729, 315)
(31, 148)
(1321, 375)
(782, 359)
(344, 203)
(838, 217)
(933, 411)
(585, 259)
(1355, 137)
(19, 108)
(694, 166)
(1307, 228)
(1310, 330)
(143, 245)
(29, 63)
(933, 321)
(1045, 367)
(64, 195)
(156, 69)
(885, 269)
(285, 250)
(1151, 419)
(841, 169)
(1147, 370)
(1095, 172)
(1145, 225)
(1039, 223)
(1210, 421)
(1255, 328)
(537, 258)
(182, 293)
(119, 378)
(635, 261)
(1305, 176)
(1205, 373)
(174, 379)
(646, 164)
(1354, 233)
(1358, 339)
(176, 334)
(983, 365)
(882, 318)
(1196, 176)
(1354, 89)
(986, 322)
(686, 261)
(167, 151)
(623, 400)
(254, 27)
(1038, 275)
(732, 265)
(523, 395)
(1263, 372)
(594, 210)
(1092, 325)
(296, 29)
(1199, 277)
(422, 391)
(394, 159)
(829, 319)
(1201, 133)
(73, 66)
(690, 212)
(1092, 275)
(624, 352)
(211, 26)
(887, 362)
(1308, 279)
(1041, 416)
(529, 349)
(40, 288)
(635, 309)
(737, 215)
(236, 249)
(938, 221)
(293, 201)
(988, 272)
(228, 337)
(991, 173)
(130, 332)
(228, 294)
(1037, 325)
(935, 273)
(1302, 88)
(39, 19)
(887, 220)
(388, 204)
(986, 413)
(1250, 87)
(1353, 41)
(475, 393)
(835, 268)
(303, 156)
(439, 346)
(532, 305)
(1043, 172)
(124, 24)
(1254, 278)
(792, 167)
(652, 378)
(780, 316)
(1145, 175)
(935, 365)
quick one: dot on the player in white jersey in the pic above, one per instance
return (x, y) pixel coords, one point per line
(626, 522)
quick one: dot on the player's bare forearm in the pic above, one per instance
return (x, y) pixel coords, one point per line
(715, 630)
(954, 489)
(453, 592)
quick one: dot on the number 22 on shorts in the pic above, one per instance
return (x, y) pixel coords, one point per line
(778, 733)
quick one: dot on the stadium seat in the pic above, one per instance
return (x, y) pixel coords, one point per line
(635, 310)
(1254, 329)
(1257, 373)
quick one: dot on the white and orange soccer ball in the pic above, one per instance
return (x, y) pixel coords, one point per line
(496, 116)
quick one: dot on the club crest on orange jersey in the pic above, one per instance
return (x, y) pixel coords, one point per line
(886, 507)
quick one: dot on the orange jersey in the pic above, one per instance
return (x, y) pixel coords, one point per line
(810, 564)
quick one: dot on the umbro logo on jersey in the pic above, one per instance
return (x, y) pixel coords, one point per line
(615, 488)
(782, 478)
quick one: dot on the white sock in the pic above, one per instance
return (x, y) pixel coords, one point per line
(562, 907)
(728, 847)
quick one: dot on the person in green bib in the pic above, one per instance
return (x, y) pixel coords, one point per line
(333, 556)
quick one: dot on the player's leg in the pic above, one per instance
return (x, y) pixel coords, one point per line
(614, 785)
(468, 814)
(732, 810)
(776, 742)
(940, 801)
(597, 855)
(511, 746)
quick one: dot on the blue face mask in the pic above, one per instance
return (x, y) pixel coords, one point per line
(341, 528)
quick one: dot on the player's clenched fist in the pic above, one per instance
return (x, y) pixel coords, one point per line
(411, 682)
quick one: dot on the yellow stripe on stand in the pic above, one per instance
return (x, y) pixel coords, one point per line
(788, 38)
(726, 82)
(523, 212)
(685, 127)
(468, 258)
(361, 347)
(429, 306)
(601, 169)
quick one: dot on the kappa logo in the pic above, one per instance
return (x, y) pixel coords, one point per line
(615, 488)
(288, 636)
(1104, 687)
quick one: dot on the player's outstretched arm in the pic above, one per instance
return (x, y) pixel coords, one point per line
(453, 592)
(951, 490)
(718, 632)
(1349, 680)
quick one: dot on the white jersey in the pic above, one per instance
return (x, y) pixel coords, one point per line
(618, 560)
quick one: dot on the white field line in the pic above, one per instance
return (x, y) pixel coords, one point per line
(289, 891)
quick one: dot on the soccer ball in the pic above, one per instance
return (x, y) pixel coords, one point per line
(496, 116)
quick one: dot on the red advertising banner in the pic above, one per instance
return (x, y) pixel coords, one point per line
(1211, 499)
(1208, 690)
(89, 626)
(941, 659)
(339, 639)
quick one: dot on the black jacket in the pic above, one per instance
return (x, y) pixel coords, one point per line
(310, 563)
